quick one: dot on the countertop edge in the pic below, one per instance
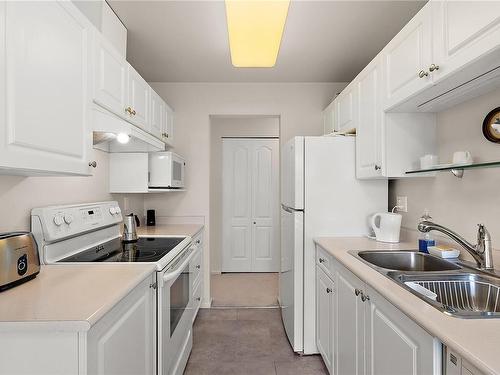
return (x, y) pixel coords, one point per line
(367, 272)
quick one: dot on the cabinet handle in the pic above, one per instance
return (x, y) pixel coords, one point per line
(423, 74)
(198, 266)
(433, 67)
(93, 164)
(328, 290)
(152, 286)
(198, 241)
(377, 167)
(198, 298)
(128, 110)
(357, 291)
(321, 260)
(133, 112)
(365, 297)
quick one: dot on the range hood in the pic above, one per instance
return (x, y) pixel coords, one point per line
(113, 134)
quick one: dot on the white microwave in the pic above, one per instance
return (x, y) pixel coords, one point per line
(166, 170)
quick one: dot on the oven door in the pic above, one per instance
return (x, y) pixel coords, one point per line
(178, 171)
(174, 315)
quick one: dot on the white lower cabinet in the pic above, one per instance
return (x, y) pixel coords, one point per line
(122, 342)
(324, 313)
(368, 335)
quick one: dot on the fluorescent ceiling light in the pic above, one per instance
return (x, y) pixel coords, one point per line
(255, 30)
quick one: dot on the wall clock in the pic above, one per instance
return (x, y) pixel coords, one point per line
(491, 126)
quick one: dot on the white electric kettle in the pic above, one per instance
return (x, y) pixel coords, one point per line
(388, 227)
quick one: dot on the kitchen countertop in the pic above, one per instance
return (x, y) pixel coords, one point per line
(69, 297)
(170, 230)
(476, 340)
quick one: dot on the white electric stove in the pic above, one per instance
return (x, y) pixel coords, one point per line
(90, 233)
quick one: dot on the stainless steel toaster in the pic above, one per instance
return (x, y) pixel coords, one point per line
(19, 260)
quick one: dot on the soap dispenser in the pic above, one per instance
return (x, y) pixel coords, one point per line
(425, 240)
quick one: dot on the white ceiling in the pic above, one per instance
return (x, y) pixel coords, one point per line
(324, 41)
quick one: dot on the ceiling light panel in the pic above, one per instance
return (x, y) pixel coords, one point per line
(255, 31)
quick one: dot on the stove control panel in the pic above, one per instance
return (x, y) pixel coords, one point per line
(59, 222)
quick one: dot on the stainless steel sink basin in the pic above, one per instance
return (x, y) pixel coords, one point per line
(455, 288)
(466, 295)
(406, 261)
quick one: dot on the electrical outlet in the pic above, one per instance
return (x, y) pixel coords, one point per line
(402, 203)
(126, 204)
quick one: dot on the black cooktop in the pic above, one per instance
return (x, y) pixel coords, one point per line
(145, 249)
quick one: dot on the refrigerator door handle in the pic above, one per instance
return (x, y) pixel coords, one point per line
(289, 209)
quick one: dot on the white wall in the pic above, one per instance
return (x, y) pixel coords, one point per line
(18, 195)
(299, 106)
(247, 126)
(458, 203)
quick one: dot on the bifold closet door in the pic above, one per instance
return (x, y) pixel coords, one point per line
(250, 205)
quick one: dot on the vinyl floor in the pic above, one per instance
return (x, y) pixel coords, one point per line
(246, 342)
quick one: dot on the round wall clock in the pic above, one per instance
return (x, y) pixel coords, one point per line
(491, 126)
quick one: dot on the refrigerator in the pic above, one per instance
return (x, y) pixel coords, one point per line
(320, 197)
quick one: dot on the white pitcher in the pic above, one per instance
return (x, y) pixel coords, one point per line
(388, 228)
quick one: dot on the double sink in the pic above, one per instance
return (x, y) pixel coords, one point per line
(454, 287)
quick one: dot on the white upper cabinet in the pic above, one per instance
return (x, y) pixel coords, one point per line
(138, 99)
(167, 135)
(463, 31)
(158, 114)
(345, 108)
(329, 119)
(46, 90)
(369, 114)
(110, 77)
(406, 59)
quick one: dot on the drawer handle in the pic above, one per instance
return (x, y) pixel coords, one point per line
(321, 260)
(93, 164)
(198, 266)
(357, 292)
(134, 112)
(328, 290)
(128, 110)
(198, 241)
(377, 167)
(365, 297)
(198, 298)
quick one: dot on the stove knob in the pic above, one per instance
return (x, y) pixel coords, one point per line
(68, 219)
(58, 219)
(112, 210)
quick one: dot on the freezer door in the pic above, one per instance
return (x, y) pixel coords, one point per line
(292, 167)
(291, 275)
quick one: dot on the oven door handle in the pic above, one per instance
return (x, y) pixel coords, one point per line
(172, 275)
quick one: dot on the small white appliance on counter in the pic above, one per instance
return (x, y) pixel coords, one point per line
(320, 197)
(166, 170)
(90, 233)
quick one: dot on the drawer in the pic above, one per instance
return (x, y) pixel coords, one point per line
(324, 260)
(198, 290)
(195, 267)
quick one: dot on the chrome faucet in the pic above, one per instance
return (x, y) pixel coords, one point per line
(481, 252)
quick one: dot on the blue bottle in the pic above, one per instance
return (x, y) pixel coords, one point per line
(425, 239)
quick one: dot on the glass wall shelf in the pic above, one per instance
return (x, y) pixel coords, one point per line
(456, 169)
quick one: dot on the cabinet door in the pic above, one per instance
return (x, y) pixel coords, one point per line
(369, 136)
(325, 307)
(168, 126)
(138, 99)
(124, 340)
(394, 343)
(45, 119)
(345, 108)
(408, 54)
(158, 114)
(463, 31)
(110, 77)
(350, 324)
(329, 119)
